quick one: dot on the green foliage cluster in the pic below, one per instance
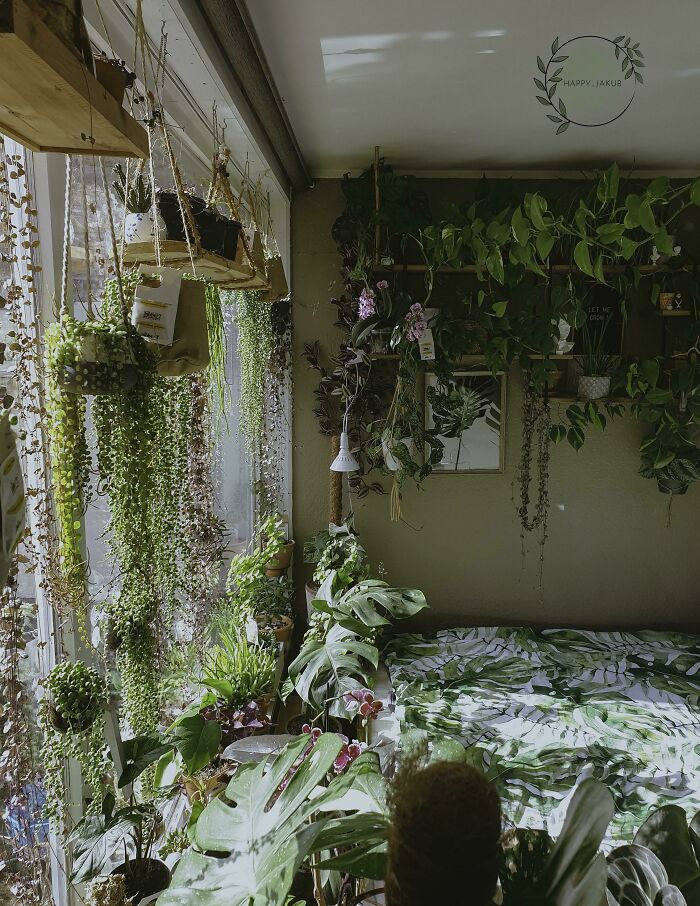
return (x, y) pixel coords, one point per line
(72, 725)
(256, 343)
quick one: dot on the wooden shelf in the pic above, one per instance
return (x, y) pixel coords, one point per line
(225, 273)
(560, 357)
(673, 313)
(49, 101)
(556, 268)
(555, 397)
(393, 357)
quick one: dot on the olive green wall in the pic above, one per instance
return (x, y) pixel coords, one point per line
(610, 561)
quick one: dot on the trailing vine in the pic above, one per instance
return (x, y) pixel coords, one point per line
(535, 430)
(256, 343)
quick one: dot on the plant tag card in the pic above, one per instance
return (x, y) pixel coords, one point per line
(155, 303)
(426, 346)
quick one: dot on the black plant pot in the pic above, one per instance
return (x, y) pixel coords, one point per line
(294, 724)
(143, 879)
(217, 234)
(671, 486)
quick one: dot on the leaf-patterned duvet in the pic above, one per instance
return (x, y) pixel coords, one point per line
(543, 709)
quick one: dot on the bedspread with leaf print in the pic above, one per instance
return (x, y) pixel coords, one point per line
(540, 710)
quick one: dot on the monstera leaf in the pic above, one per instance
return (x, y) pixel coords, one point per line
(371, 604)
(325, 670)
(455, 410)
(266, 835)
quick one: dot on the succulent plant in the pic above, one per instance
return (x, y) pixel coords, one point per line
(78, 694)
(137, 196)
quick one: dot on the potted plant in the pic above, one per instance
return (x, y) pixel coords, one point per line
(668, 398)
(273, 607)
(71, 718)
(239, 677)
(336, 550)
(595, 363)
(137, 198)
(130, 833)
(217, 234)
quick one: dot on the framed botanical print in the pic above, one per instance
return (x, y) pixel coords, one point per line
(469, 417)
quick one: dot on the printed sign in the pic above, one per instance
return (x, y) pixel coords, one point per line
(589, 80)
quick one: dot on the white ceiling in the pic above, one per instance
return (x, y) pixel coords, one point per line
(448, 85)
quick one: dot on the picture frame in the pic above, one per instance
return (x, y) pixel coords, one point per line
(480, 447)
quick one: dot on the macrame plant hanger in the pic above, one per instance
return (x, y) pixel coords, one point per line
(220, 189)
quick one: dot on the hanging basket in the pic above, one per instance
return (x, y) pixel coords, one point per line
(94, 358)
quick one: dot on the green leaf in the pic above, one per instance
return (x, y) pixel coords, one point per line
(628, 247)
(264, 838)
(544, 244)
(657, 188)
(663, 241)
(139, 753)
(96, 838)
(598, 269)
(646, 217)
(666, 834)
(557, 433)
(540, 65)
(499, 308)
(582, 258)
(520, 226)
(197, 740)
(576, 437)
(695, 191)
(494, 264)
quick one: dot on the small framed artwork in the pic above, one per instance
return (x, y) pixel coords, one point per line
(470, 419)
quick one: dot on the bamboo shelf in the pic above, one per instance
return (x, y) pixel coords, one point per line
(225, 273)
(49, 101)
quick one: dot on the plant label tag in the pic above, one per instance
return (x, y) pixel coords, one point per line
(251, 631)
(155, 303)
(426, 346)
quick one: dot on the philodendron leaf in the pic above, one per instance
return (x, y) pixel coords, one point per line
(197, 740)
(95, 840)
(139, 753)
(582, 257)
(666, 834)
(257, 748)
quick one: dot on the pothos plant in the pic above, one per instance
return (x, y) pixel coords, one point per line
(72, 722)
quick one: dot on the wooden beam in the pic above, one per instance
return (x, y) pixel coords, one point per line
(232, 29)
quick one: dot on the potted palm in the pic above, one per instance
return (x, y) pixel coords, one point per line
(596, 364)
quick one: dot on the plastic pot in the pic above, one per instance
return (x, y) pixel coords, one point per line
(144, 879)
(671, 486)
(593, 387)
(217, 234)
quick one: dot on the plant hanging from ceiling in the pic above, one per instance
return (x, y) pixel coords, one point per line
(71, 719)
(536, 431)
(255, 346)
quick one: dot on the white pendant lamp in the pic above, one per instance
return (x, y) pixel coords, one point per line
(344, 461)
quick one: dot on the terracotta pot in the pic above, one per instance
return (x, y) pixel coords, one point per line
(279, 564)
(283, 632)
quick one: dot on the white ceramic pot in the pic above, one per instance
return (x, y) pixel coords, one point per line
(392, 464)
(593, 387)
(139, 227)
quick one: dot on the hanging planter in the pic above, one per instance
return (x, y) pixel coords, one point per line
(672, 486)
(217, 234)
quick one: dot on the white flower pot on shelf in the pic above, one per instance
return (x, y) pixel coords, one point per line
(593, 386)
(139, 227)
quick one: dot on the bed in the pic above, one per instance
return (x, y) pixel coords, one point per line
(540, 710)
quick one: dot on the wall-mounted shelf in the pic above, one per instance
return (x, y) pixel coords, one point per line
(393, 357)
(50, 101)
(556, 268)
(673, 312)
(572, 398)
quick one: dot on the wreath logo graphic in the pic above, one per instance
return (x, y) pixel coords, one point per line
(589, 80)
